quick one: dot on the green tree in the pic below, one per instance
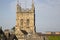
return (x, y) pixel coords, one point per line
(13, 28)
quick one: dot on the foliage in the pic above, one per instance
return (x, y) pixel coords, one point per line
(1, 34)
(13, 28)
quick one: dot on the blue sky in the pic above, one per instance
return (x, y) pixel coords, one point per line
(47, 14)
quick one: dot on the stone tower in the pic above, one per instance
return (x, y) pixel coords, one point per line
(25, 21)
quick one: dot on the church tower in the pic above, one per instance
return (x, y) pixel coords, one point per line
(25, 20)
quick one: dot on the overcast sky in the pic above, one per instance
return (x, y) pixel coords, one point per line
(47, 14)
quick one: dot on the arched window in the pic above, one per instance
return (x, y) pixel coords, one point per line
(27, 22)
(21, 22)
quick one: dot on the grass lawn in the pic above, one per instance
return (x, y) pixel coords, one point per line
(54, 37)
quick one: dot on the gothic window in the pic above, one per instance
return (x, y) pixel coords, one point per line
(27, 22)
(21, 22)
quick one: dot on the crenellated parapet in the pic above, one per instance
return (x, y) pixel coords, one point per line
(19, 9)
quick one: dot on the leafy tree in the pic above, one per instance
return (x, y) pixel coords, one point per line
(13, 28)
